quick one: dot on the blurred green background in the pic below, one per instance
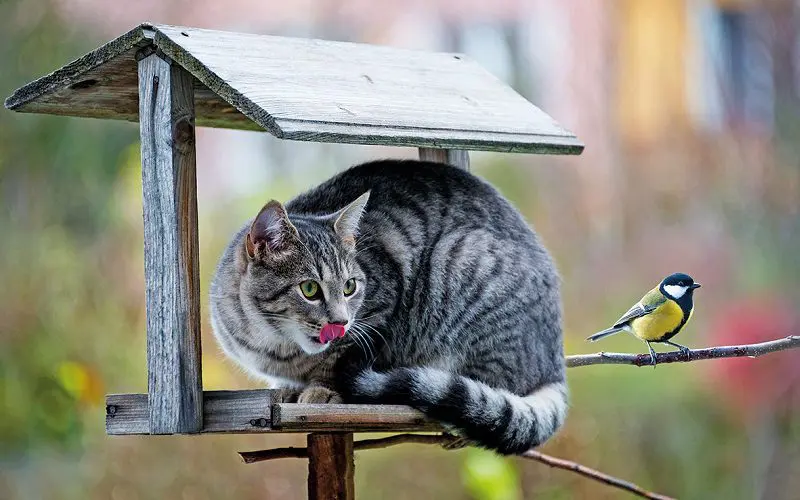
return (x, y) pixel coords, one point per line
(691, 115)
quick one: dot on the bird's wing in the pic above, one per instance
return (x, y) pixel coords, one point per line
(648, 304)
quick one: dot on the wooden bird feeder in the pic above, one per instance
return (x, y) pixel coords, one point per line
(170, 79)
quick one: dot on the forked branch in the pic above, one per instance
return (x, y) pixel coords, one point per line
(601, 358)
(447, 441)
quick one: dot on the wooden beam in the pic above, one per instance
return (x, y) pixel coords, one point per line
(253, 411)
(166, 118)
(330, 466)
(363, 418)
(456, 157)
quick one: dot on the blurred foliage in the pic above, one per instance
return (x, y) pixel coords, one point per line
(490, 477)
(59, 306)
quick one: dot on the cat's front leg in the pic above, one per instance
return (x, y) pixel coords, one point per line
(319, 394)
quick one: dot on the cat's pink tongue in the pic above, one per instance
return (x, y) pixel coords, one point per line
(331, 331)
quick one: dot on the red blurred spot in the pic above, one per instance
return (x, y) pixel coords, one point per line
(772, 380)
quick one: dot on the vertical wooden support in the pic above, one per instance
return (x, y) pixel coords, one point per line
(456, 157)
(330, 466)
(166, 119)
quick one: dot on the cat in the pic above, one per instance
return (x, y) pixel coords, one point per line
(449, 302)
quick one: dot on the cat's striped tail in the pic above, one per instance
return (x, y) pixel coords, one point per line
(492, 418)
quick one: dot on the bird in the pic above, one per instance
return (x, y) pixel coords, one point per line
(659, 315)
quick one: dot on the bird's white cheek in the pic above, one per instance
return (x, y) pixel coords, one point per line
(675, 291)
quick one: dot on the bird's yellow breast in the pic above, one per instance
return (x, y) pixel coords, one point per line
(666, 318)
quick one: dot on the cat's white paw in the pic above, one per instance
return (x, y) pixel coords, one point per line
(317, 394)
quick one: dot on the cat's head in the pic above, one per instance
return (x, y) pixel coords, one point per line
(301, 274)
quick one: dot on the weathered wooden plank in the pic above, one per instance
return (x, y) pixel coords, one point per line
(166, 111)
(456, 157)
(224, 412)
(127, 414)
(330, 466)
(311, 90)
(252, 411)
(319, 90)
(104, 84)
(237, 411)
(341, 417)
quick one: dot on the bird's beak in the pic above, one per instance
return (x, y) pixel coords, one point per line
(695, 285)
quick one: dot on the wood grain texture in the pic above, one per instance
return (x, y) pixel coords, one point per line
(363, 418)
(252, 411)
(127, 414)
(456, 157)
(172, 282)
(330, 466)
(311, 90)
(237, 411)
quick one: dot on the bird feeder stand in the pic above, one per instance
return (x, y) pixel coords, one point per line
(171, 79)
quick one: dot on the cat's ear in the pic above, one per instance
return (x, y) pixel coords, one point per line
(347, 219)
(271, 232)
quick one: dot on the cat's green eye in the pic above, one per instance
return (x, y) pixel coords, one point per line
(350, 286)
(310, 289)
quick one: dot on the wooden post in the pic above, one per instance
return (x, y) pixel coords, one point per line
(166, 119)
(330, 466)
(456, 157)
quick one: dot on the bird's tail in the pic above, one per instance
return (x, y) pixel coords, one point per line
(605, 333)
(492, 418)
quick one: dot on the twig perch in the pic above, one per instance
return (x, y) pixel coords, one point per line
(444, 440)
(734, 351)
(601, 358)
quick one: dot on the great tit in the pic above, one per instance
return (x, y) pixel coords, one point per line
(660, 315)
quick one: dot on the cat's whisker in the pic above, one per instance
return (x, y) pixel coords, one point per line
(363, 341)
(357, 341)
(377, 332)
(291, 320)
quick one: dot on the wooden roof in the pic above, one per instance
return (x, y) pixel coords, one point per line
(310, 90)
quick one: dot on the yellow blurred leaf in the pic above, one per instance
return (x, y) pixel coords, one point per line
(488, 476)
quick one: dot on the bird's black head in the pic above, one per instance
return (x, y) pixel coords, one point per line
(677, 285)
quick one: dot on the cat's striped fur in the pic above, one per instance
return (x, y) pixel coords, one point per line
(457, 310)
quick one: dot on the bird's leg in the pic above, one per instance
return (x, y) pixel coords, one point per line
(652, 354)
(684, 350)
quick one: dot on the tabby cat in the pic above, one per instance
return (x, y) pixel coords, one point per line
(449, 302)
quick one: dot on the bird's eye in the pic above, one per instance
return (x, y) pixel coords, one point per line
(350, 287)
(310, 290)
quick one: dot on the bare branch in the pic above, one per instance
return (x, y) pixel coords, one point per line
(447, 441)
(734, 351)
(601, 358)
(592, 474)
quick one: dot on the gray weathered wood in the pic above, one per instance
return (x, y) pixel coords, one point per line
(252, 411)
(127, 414)
(363, 418)
(331, 466)
(456, 157)
(166, 111)
(311, 90)
(237, 411)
